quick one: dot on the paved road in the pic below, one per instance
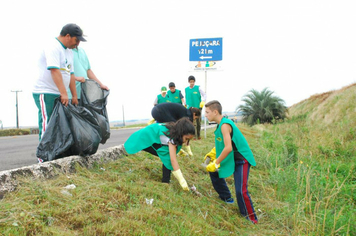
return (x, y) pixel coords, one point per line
(20, 151)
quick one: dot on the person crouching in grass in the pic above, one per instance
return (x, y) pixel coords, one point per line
(163, 140)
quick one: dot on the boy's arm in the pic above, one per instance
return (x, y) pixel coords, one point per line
(226, 131)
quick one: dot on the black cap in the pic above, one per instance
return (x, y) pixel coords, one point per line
(171, 84)
(73, 30)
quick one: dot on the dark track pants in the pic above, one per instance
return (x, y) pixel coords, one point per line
(242, 169)
(198, 126)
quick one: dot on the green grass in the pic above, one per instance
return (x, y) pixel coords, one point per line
(111, 199)
(129, 126)
(293, 194)
(304, 184)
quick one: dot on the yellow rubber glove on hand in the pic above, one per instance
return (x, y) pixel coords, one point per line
(212, 167)
(150, 122)
(182, 153)
(211, 154)
(179, 176)
(202, 104)
(189, 150)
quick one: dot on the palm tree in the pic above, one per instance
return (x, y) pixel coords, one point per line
(262, 107)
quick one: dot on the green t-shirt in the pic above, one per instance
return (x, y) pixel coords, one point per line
(148, 136)
(227, 166)
(81, 67)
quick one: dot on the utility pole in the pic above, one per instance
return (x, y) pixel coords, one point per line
(17, 107)
(123, 115)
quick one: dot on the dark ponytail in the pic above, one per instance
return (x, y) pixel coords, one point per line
(176, 130)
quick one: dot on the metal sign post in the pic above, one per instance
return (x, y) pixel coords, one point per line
(206, 52)
(206, 92)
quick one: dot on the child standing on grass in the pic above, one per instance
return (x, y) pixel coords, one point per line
(231, 155)
(163, 140)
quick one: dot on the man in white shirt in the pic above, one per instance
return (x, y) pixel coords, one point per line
(56, 74)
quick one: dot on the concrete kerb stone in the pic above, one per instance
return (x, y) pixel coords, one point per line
(47, 170)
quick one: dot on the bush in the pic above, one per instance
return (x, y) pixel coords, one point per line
(14, 132)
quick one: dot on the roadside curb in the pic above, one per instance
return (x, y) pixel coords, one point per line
(47, 170)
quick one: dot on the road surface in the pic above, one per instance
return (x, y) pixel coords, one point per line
(20, 151)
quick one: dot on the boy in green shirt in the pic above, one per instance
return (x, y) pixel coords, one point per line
(195, 97)
(231, 155)
(175, 95)
(161, 98)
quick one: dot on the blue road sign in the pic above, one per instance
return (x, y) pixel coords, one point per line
(209, 49)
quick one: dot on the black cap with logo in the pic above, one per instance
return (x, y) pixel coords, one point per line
(73, 30)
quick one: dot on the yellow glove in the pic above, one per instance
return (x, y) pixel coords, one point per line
(211, 154)
(189, 150)
(150, 122)
(182, 153)
(202, 104)
(213, 167)
(179, 176)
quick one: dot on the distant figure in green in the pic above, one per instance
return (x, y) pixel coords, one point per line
(175, 95)
(161, 98)
(195, 97)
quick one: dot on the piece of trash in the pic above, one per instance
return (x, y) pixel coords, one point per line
(65, 192)
(102, 168)
(71, 186)
(194, 190)
(50, 221)
(149, 201)
(206, 162)
(15, 224)
(203, 215)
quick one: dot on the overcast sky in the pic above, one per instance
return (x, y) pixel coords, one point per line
(295, 48)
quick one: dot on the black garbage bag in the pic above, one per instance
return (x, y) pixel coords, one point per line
(72, 130)
(85, 130)
(94, 99)
(58, 137)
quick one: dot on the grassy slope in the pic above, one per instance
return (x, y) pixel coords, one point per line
(311, 162)
(304, 183)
